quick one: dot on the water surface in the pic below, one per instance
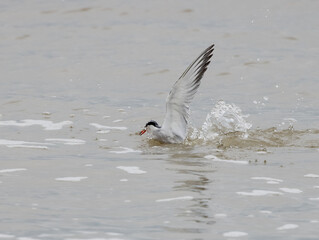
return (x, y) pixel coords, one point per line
(80, 79)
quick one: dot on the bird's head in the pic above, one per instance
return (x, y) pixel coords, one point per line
(149, 127)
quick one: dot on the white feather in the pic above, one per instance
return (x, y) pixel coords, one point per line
(175, 123)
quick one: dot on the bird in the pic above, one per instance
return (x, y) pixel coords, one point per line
(175, 124)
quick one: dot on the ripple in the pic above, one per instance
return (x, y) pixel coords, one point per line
(71, 179)
(46, 124)
(220, 215)
(291, 190)
(288, 227)
(131, 169)
(216, 159)
(126, 150)
(311, 175)
(235, 234)
(259, 193)
(23, 144)
(26, 238)
(6, 236)
(99, 126)
(265, 212)
(267, 179)
(67, 141)
(10, 170)
(175, 199)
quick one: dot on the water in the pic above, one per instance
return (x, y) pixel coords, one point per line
(80, 79)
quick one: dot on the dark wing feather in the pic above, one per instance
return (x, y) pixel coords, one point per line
(183, 91)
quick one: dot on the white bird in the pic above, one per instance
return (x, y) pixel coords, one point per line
(174, 128)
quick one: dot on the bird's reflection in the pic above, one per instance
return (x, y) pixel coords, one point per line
(195, 179)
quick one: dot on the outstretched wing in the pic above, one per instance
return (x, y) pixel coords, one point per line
(183, 91)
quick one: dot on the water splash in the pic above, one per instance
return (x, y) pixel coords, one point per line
(226, 127)
(222, 120)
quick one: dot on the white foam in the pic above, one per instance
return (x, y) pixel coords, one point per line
(67, 141)
(114, 234)
(26, 238)
(10, 170)
(291, 190)
(103, 131)
(102, 140)
(314, 199)
(315, 186)
(27, 146)
(87, 232)
(216, 159)
(259, 193)
(234, 234)
(175, 199)
(99, 126)
(93, 239)
(71, 179)
(118, 120)
(23, 144)
(262, 152)
(288, 227)
(46, 124)
(47, 235)
(220, 215)
(267, 179)
(311, 175)
(272, 182)
(314, 221)
(123, 180)
(126, 150)
(6, 236)
(265, 212)
(121, 110)
(131, 169)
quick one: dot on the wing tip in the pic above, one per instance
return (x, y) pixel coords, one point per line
(209, 49)
(202, 58)
(203, 62)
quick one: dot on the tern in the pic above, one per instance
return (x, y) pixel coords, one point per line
(174, 128)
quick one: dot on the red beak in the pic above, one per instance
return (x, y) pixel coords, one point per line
(142, 132)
